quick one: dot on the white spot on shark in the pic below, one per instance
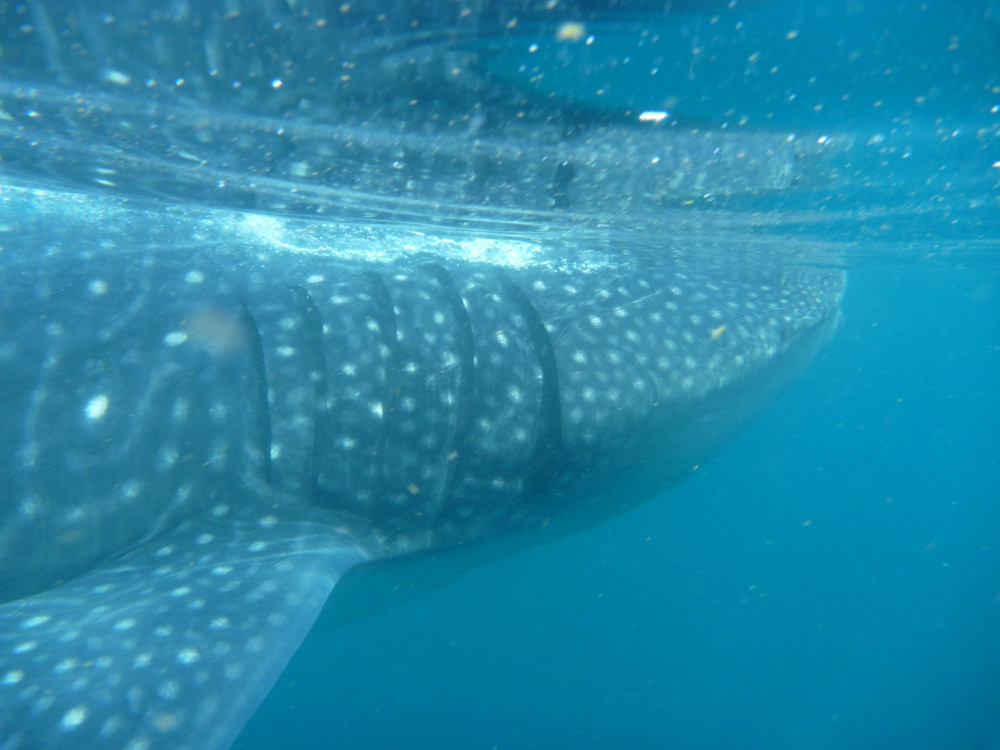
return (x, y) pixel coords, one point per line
(73, 718)
(188, 655)
(97, 407)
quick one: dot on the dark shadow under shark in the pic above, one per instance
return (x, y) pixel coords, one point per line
(210, 415)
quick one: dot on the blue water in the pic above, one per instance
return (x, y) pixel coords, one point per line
(831, 580)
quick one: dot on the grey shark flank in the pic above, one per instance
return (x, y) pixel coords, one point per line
(246, 346)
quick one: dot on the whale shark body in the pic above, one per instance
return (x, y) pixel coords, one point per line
(210, 415)
(201, 437)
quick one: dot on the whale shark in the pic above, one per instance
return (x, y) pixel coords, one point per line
(202, 436)
(230, 377)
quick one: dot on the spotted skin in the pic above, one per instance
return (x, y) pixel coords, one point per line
(202, 434)
(115, 657)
